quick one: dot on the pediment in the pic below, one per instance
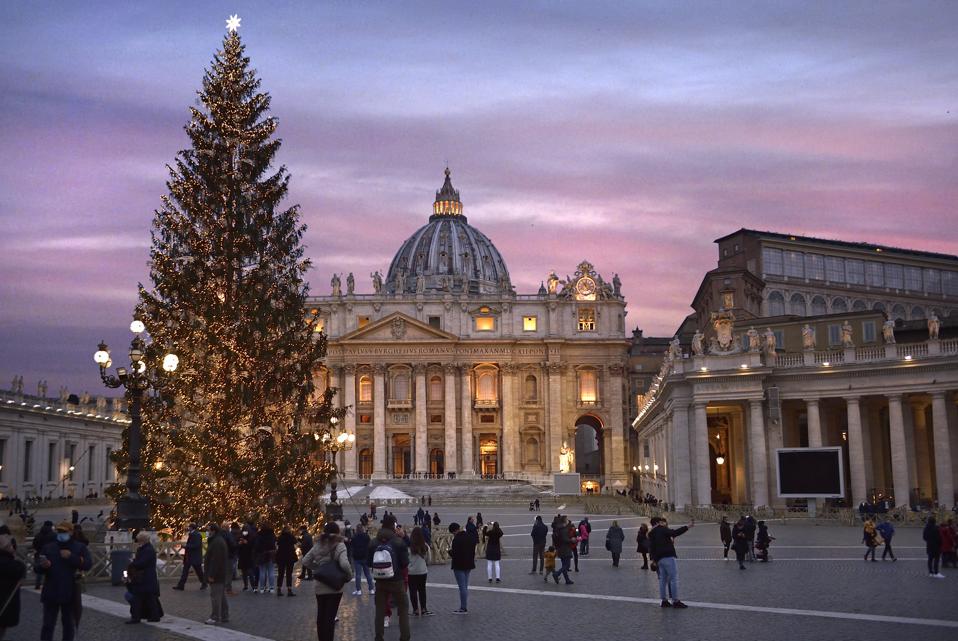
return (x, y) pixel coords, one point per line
(397, 327)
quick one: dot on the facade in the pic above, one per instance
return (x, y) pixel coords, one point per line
(451, 373)
(869, 366)
(42, 438)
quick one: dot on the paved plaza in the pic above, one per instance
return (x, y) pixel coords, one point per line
(816, 587)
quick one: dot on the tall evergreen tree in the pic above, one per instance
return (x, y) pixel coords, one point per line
(239, 428)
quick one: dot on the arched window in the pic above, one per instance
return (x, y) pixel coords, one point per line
(859, 306)
(400, 386)
(365, 389)
(365, 462)
(879, 307)
(486, 386)
(819, 308)
(917, 312)
(839, 306)
(796, 305)
(532, 450)
(435, 388)
(531, 389)
(588, 386)
(776, 304)
(898, 312)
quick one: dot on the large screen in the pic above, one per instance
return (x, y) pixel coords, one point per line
(814, 472)
(567, 483)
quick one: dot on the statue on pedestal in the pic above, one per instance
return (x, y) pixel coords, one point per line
(888, 332)
(377, 282)
(616, 286)
(675, 349)
(770, 342)
(566, 458)
(847, 334)
(698, 348)
(754, 340)
(336, 285)
(808, 337)
(934, 325)
(420, 284)
(350, 284)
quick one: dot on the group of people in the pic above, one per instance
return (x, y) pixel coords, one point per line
(744, 538)
(940, 545)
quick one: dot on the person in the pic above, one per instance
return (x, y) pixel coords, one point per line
(462, 554)
(216, 564)
(389, 558)
(285, 560)
(537, 505)
(887, 531)
(564, 543)
(329, 549)
(539, 533)
(613, 542)
(725, 533)
(232, 536)
(947, 543)
(418, 571)
(84, 542)
(192, 558)
(12, 573)
(265, 557)
(59, 561)
(360, 545)
(479, 520)
(473, 530)
(142, 582)
(245, 557)
(662, 546)
(435, 517)
(932, 537)
(44, 536)
(870, 539)
(494, 552)
(642, 545)
(429, 502)
(550, 559)
(420, 513)
(750, 535)
(574, 540)
(428, 517)
(763, 541)
(305, 545)
(740, 542)
(584, 531)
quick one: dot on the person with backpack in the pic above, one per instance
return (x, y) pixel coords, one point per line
(539, 534)
(462, 552)
(389, 558)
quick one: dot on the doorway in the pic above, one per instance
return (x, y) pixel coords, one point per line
(588, 450)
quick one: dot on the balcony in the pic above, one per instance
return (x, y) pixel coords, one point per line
(399, 403)
(486, 403)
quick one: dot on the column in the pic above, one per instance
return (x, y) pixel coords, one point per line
(899, 452)
(422, 450)
(758, 453)
(700, 441)
(452, 452)
(923, 456)
(468, 458)
(680, 472)
(908, 419)
(555, 414)
(943, 462)
(856, 451)
(510, 433)
(814, 423)
(379, 422)
(616, 466)
(347, 399)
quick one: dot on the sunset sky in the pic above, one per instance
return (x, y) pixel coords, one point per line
(629, 134)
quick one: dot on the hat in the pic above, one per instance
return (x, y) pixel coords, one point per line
(64, 526)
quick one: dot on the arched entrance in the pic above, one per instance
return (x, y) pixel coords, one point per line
(588, 446)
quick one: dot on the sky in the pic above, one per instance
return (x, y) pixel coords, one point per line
(629, 134)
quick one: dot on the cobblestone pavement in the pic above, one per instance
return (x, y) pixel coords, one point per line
(817, 586)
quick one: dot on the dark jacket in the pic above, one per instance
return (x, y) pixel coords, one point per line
(614, 538)
(563, 542)
(400, 552)
(539, 532)
(193, 548)
(739, 538)
(660, 541)
(59, 583)
(463, 551)
(360, 546)
(12, 572)
(473, 530)
(932, 536)
(306, 543)
(44, 536)
(494, 545)
(142, 571)
(642, 541)
(286, 548)
(265, 547)
(216, 565)
(750, 526)
(725, 532)
(245, 551)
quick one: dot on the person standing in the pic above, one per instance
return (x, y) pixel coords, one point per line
(360, 545)
(192, 558)
(435, 517)
(564, 544)
(870, 539)
(472, 529)
(245, 554)
(613, 542)
(537, 504)
(573, 532)
(84, 542)
(887, 531)
(285, 560)
(740, 542)
(232, 540)
(305, 545)
(662, 545)
(266, 557)
(932, 537)
(750, 528)
(494, 552)
(12, 573)
(539, 534)
(642, 545)
(142, 582)
(584, 531)
(418, 572)
(764, 542)
(947, 544)
(329, 549)
(462, 553)
(725, 533)
(44, 536)
(479, 520)
(216, 564)
(59, 561)
(389, 558)
(550, 558)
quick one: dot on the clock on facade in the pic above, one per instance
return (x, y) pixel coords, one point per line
(585, 288)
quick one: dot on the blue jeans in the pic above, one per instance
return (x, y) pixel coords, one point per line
(668, 574)
(563, 569)
(266, 577)
(462, 579)
(360, 569)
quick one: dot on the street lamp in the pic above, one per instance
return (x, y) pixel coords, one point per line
(132, 510)
(335, 440)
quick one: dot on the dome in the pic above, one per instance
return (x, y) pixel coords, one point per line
(448, 254)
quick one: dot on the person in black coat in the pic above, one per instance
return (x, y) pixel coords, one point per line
(59, 562)
(750, 527)
(932, 536)
(285, 560)
(12, 573)
(494, 552)
(463, 556)
(642, 545)
(305, 545)
(44, 536)
(662, 546)
(539, 534)
(265, 557)
(192, 558)
(245, 554)
(740, 542)
(142, 582)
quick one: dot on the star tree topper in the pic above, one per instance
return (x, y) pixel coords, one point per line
(233, 23)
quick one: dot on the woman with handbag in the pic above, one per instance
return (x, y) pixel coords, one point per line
(332, 570)
(613, 542)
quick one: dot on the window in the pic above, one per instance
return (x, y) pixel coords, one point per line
(362, 321)
(854, 272)
(779, 338)
(868, 331)
(586, 319)
(794, 265)
(110, 468)
(588, 392)
(772, 261)
(879, 307)
(859, 306)
(528, 323)
(898, 311)
(839, 306)
(486, 386)
(913, 279)
(366, 419)
(365, 389)
(796, 305)
(400, 387)
(835, 269)
(949, 283)
(485, 324)
(435, 321)
(917, 312)
(819, 308)
(874, 274)
(365, 462)
(531, 388)
(51, 461)
(894, 276)
(27, 460)
(932, 281)
(834, 334)
(487, 418)
(776, 304)
(435, 388)
(532, 450)
(815, 266)
(90, 457)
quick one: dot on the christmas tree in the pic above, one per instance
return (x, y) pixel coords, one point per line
(240, 429)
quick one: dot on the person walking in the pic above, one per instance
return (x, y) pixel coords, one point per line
(763, 542)
(462, 553)
(584, 531)
(887, 531)
(266, 558)
(613, 542)
(360, 545)
(662, 545)
(192, 558)
(59, 561)
(750, 528)
(574, 540)
(418, 571)
(329, 549)
(539, 534)
(494, 552)
(564, 543)
(932, 537)
(389, 558)
(285, 560)
(12, 573)
(44, 536)
(947, 532)
(550, 565)
(305, 545)
(216, 564)
(479, 520)
(142, 582)
(725, 533)
(435, 517)
(870, 539)
(740, 542)
(642, 545)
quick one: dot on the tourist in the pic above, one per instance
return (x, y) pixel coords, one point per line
(285, 560)
(216, 564)
(764, 541)
(750, 528)
(12, 573)
(428, 517)
(662, 546)
(642, 545)
(740, 542)
(44, 536)
(473, 530)
(870, 539)
(245, 556)
(389, 557)
(613, 542)
(329, 549)
(435, 517)
(142, 582)
(305, 545)
(479, 519)
(574, 541)
(266, 558)
(192, 558)
(462, 553)
(887, 531)
(932, 538)
(420, 513)
(550, 562)
(947, 543)
(564, 543)
(537, 505)
(59, 561)
(539, 534)
(494, 552)
(584, 531)
(360, 545)
(429, 502)
(232, 536)
(418, 571)
(725, 533)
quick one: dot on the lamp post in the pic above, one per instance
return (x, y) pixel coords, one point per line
(335, 441)
(132, 510)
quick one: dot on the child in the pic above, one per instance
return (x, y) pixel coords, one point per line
(550, 557)
(764, 540)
